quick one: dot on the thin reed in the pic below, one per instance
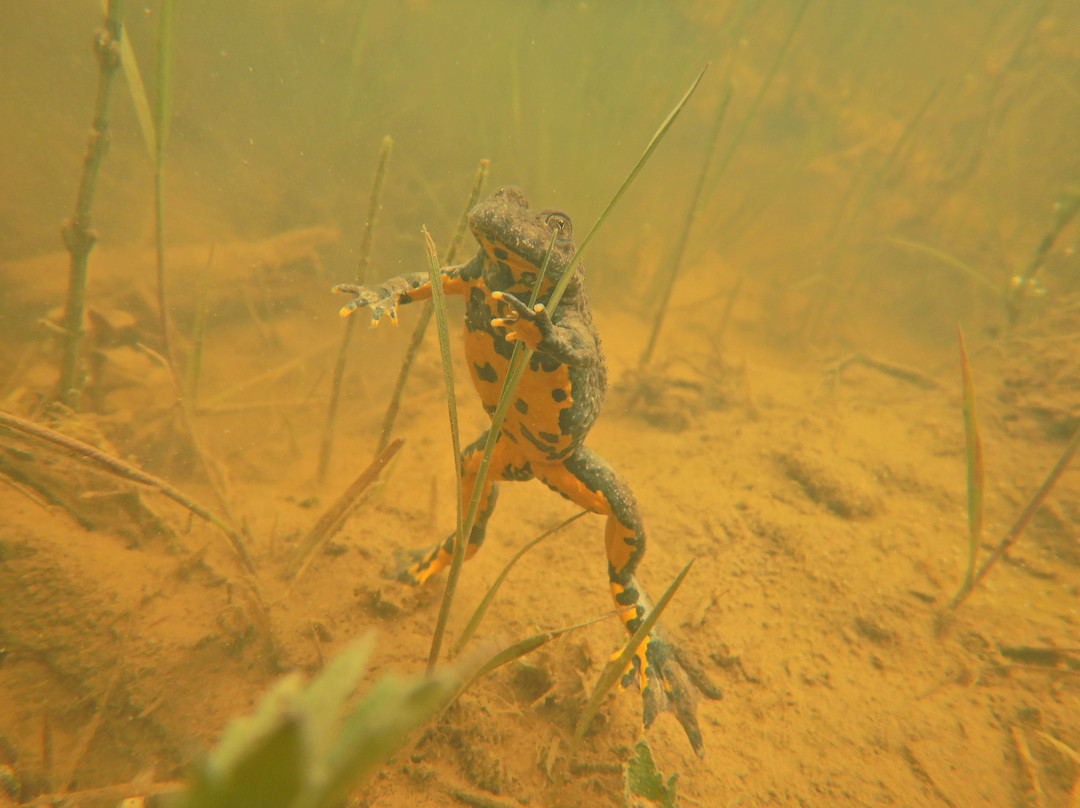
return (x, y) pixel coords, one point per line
(481, 610)
(417, 338)
(684, 238)
(438, 300)
(974, 455)
(326, 448)
(78, 233)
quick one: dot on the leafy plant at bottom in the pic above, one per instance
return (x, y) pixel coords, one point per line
(303, 747)
(644, 785)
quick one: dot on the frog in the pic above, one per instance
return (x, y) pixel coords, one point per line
(557, 401)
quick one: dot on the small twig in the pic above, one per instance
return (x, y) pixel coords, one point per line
(106, 794)
(334, 518)
(478, 800)
(1033, 793)
(116, 466)
(901, 372)
(79, 235)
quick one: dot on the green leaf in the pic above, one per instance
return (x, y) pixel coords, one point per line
(644, 785)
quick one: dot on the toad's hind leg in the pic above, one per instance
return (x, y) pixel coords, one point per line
(587, 480)
(440, 556)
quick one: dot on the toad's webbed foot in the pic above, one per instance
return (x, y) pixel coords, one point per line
(382, 300)
(670, 680)
(523, 323)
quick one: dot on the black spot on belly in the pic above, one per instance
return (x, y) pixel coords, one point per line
(522, 405)
(558, 394)
(501, 254)
(544, 362)
(548, 437)
(485, 372)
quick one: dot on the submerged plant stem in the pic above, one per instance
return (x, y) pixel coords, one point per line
(78, 233)
(1014, 532)
(438, 300)
(374, 203)
(684, 238)
(974, 454)
(425, 314)
(115, 465)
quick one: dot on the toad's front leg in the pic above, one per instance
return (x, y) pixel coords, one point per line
(533, 325)
(384, 299)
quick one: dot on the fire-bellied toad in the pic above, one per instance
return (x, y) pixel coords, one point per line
(558, 399)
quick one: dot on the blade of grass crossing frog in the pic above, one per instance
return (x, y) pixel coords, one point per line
(1014, 532)
(973, 453)
(374, 203)
(519, 359)
(616, 666)
(438, 300)
(425, 314)
(481, 610)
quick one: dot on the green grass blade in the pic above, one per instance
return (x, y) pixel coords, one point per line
(438, 300)
(521, 648)
(1014, 532)
(948, 260)
(974, 454)
(163, 95)
(616, 666)
(481, 610)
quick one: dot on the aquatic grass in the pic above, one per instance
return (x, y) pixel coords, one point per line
(215, 474)
(974, 455)
(198, 335)
(617, 665)
(162, 112)
(948, 260)
(114, 465)
(751, 113)
(485, 603)
(1013, 534)
(326, 448)
(680, 251)
(334, 516)
(420, 329)
(438, 300)
(1021, 285)
(78, 233)
(853, 208)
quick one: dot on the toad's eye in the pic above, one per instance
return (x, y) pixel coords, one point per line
(560, 224)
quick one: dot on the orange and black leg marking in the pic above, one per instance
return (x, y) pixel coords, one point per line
(384, 299)
(440, 556)
(587, 480)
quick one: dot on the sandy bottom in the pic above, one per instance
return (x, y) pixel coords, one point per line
(826, 513)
